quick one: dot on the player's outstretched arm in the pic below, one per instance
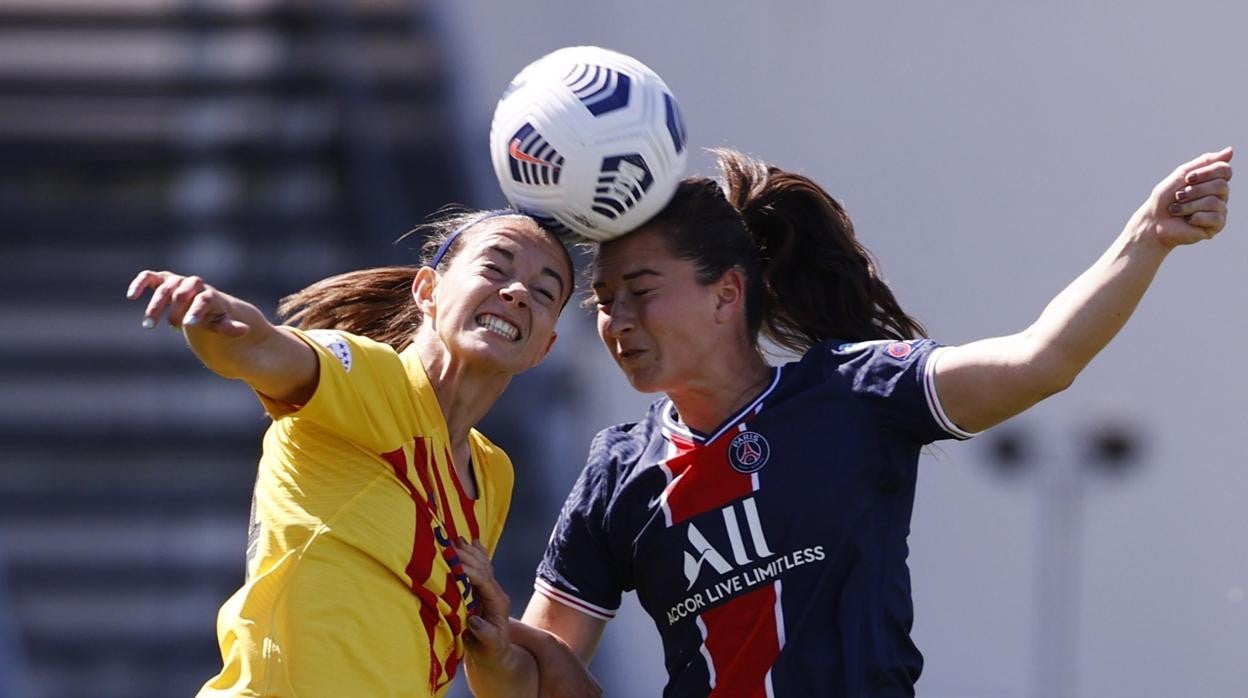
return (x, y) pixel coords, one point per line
(232, 337)
(986, 382)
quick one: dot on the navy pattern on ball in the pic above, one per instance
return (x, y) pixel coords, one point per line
(533, 160)
(599, 88)
(624, 179)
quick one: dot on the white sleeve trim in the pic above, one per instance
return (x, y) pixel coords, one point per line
(546, 589)
(933, 399)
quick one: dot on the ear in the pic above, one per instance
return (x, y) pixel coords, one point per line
(730, 296)
(424, 287)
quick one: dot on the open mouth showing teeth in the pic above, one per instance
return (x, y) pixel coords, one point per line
(499, 326)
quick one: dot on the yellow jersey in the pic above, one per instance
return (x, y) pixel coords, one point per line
(353, 588)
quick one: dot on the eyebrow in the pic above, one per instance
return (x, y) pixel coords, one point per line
(511, 257)
(645, 271)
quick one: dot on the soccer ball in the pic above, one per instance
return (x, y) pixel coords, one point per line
(588, 141)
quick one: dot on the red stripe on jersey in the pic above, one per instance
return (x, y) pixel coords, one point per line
(454, 598)
(420, 564)
(466, 504)
(448, 517)
(742, 643)
(703, 480)
(681, 444)
(452, 595)
(423, 466)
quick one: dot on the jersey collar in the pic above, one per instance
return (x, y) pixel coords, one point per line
(674, 427)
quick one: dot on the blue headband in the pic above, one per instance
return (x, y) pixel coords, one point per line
(450, 239)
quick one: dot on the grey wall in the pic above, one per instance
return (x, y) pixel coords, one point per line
(988, 151)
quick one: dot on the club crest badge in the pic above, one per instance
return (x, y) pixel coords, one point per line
(898, 350)
(748, 452)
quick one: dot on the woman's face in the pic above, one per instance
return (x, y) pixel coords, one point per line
(499, 297)
(655, 318)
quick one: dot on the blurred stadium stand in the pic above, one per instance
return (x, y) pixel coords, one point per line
(260, 143)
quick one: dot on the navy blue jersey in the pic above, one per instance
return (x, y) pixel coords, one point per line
(771, 554)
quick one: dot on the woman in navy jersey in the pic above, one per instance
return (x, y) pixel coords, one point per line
(761, 513)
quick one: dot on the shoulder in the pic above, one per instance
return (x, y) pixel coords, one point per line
(835, 356)
(618, 452)
(896, 349)
(866, 368)
(346, 349)
(624, 444)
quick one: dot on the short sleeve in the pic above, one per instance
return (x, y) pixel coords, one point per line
(361, 391)
(897, 378)
(578, 569)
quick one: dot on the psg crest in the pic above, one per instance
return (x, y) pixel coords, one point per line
(748, 452)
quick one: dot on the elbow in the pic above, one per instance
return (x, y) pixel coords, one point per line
(1057, 383)
(1052, 375)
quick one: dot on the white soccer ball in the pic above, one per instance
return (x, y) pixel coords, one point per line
(589, 141)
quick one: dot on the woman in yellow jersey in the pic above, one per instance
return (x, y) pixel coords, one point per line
(371, 468)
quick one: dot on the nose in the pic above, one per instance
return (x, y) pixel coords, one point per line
(515, 293)
(616, 320)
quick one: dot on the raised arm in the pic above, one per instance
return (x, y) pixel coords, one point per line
(232, 337)
(986, 382)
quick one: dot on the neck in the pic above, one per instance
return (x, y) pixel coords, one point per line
(464, 395)
(704, 405)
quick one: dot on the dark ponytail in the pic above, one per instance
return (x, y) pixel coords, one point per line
(809, 279)
(822, 283)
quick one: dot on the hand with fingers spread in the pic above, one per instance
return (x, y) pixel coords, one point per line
(189, 302)
(231, 336)
(1190, 204)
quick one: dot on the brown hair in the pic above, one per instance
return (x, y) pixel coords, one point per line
(809, 279)
(377, 302)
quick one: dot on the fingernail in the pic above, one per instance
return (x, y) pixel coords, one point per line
(1175, 208)
(476, 622)
(190, 320)
(148, 323)
(1180, 194)
(130, 291)
(1190, 178)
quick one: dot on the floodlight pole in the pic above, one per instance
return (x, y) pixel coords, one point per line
(1108, 447)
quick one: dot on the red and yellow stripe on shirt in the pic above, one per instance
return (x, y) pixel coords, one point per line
(352, 587)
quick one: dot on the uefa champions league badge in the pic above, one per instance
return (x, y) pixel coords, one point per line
(335, 344)
(748, 452)
(898, 350)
